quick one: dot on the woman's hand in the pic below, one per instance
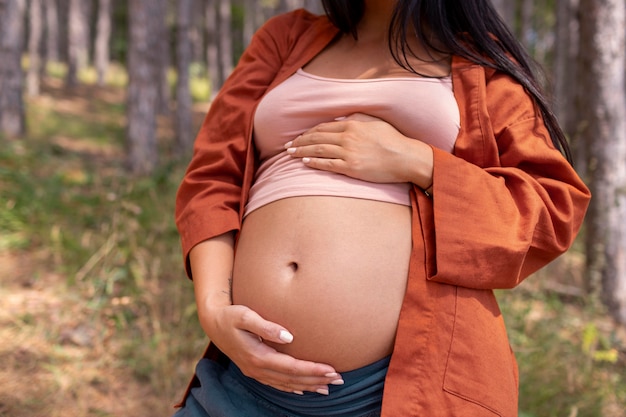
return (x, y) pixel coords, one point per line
(241, 333)
(366, 148)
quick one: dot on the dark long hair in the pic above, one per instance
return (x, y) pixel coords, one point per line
(471, 29)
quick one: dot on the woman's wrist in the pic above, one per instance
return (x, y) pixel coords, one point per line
(418, 164)
(428, 191)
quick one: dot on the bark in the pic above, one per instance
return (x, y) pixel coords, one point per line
(11, 77)
(506, 9)
(602, 76)
(289, 5)
(314, 6)
(52, 31)
(197, 32)
(565, 75)
(143, 87)
(103, 38)
(165, 94)
(212, 53)
(34, 41)
(63, 9)
(184, 123)
(282, 7)
(252, 9)
(527, 24)
(226, 39)
(78, 39)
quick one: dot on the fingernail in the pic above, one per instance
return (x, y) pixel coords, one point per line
(285, 336)
(338, 382)
(298, 392)
(291, 150)
(322, 391)
(338, 119)
(288, 144)
(332, 375)
(306, 160)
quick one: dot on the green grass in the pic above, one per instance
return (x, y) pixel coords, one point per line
(568, 354)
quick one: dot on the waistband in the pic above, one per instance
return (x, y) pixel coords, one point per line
(361, 393)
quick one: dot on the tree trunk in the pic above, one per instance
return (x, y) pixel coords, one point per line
(103, 38)
(527, 24)
(63, 9)
(52, 31)
(226, 39)
(197, 32)
(143, 88)
(565, 75)
(212, 53)
(252, 10)
(281, 7)
(184, 123)
(314, 6)
(602, 76)
(11, 76)
(506, 9)
(78, 39)
(34, 40)
(165, 94)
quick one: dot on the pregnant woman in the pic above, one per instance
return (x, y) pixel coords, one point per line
(362, 183)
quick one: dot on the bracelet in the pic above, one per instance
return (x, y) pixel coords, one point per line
(428, 191)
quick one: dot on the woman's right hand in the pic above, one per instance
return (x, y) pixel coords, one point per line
(240, 333)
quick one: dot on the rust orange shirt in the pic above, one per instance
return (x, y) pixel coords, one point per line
(505, 204)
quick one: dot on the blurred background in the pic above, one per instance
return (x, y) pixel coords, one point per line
(100, 101)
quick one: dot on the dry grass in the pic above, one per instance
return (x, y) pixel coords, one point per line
(58, 357)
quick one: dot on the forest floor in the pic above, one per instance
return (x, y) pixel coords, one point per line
(97, 318)
(56, 359)
(73, 343)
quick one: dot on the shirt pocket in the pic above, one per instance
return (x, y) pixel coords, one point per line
(481, 367)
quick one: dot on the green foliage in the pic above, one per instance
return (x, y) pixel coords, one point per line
(568, 365)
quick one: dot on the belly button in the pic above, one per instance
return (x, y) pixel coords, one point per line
(293, 266)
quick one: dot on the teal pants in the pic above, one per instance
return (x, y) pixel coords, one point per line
(226, 392)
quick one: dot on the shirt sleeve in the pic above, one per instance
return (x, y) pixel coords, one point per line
(208, 199)
(507, 202)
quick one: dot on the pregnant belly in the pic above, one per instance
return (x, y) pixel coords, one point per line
(333, 271)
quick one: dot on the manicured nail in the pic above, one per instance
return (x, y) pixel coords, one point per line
(322, 391)
(288, 144)
(306, 160)
(338, 119)
(291, 150)
(285, 336)
(332, 375)
(338, 382)
(298, 392)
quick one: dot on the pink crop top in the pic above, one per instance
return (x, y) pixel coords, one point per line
(420, 108)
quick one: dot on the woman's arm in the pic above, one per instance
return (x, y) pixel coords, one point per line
(506, 203)
(365, 147)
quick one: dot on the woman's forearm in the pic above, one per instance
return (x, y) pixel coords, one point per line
(212, 265)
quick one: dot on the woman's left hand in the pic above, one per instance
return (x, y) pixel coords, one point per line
(366, 148)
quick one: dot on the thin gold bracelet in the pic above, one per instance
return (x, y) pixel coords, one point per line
(428, 191)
